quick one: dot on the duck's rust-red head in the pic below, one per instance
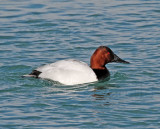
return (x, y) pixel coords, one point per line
(102, 56)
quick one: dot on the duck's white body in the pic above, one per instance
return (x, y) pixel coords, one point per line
(68, 72)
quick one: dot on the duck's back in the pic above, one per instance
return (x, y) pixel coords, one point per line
(68, 72)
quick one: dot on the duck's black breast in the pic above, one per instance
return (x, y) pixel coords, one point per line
(101, 73)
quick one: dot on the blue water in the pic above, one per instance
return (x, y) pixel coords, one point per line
(34, 33)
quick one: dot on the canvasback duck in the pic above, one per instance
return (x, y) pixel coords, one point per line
(71, 72)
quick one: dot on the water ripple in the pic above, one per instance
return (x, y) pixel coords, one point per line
(33, 33)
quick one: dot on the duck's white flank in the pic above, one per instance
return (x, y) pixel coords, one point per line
(68, 72)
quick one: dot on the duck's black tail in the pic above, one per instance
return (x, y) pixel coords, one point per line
(34, 73)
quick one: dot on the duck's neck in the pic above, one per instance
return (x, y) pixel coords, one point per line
(100, 70)
(96, 66)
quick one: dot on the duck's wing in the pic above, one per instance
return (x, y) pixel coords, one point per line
(68, 72)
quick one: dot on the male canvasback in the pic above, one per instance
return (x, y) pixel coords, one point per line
(71, 72)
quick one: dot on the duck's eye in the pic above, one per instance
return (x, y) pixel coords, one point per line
(108, 53)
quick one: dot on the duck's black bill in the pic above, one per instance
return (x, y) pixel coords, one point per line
(119, 60)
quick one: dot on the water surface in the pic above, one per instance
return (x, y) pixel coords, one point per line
(33, 33)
